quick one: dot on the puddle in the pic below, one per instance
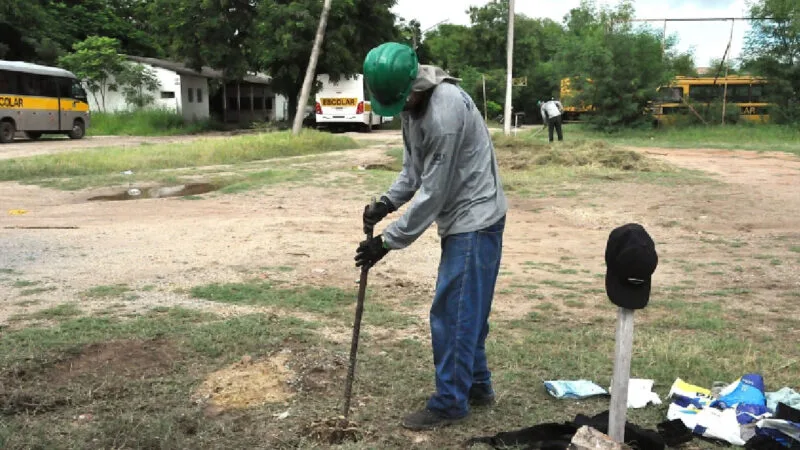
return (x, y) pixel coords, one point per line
(180, 190)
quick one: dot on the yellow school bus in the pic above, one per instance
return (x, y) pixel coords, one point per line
(573, 109)
(744, 92)
(39, 100)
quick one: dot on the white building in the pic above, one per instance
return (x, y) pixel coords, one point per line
(199, 95)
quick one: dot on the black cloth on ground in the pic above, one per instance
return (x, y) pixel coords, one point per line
(557, 436)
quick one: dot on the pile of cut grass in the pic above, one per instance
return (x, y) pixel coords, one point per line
(523, 153)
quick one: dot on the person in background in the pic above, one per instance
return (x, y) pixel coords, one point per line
(551, 115)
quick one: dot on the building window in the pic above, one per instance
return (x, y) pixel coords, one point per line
(191, 95)
(167, 94)
(199, 95)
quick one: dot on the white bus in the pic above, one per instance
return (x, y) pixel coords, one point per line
(40, 100)
(345, 104)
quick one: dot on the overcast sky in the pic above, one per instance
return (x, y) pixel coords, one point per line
(707, 39)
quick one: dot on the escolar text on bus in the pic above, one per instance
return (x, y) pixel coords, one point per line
(10, 102)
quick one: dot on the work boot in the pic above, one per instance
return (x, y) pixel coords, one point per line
(481, 395)
(427, 419)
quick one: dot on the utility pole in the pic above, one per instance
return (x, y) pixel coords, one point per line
(485, 109)
(510, 69)
(724, 57)
(311, 70)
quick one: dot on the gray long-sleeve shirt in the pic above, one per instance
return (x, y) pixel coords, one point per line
(551, 109)
(449, 167)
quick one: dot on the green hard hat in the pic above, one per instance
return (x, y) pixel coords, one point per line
(389, 71)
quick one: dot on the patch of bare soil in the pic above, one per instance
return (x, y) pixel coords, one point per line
(131, 359)
(105, 366)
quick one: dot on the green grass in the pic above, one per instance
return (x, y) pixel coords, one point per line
(60, 312)
(204, 152)
(731, 137)
(24, 283)
(321, 300)
(38, 290)
(110, 291)
(260, 179)
(150, 122)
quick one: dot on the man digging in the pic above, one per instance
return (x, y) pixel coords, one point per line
(450, 176)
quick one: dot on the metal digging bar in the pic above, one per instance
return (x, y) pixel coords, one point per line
(362, 290)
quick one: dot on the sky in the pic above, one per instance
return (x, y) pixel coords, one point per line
(707, 40)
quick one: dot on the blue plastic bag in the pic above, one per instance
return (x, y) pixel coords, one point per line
(748, 390)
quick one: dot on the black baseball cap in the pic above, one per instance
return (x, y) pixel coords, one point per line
(631, 260)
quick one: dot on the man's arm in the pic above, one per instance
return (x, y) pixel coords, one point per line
(432, 195)
(544, 114)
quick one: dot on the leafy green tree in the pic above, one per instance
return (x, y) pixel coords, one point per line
(128, 21)
(774, 46)
(449, 46)
(29, 32)
(286, 28)
(617, 68)
(97, 62)
(683, 64)
(217, 33)
(410, 33)
(42, 30)
(136, 81)
(479, 50)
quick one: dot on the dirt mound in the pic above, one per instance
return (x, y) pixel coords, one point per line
(521, 154)
(127, 359)
(245, 384)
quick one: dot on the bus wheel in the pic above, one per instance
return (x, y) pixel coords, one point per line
(7, 131)
(78, 130)
(33, 135)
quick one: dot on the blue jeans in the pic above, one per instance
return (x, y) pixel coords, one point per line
(460, 316)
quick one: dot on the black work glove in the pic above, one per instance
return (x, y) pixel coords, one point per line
(370, 252)
(375, 212)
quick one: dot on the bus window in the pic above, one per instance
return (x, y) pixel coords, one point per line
(757, 94)
(64, 87)
(739, 93)
(77, 91)
(705, 93)
(49, 86)
(670, 94)
(9, 82)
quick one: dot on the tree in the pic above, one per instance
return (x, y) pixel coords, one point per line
(217, 33)
(286, 27)
(449, 47)
(626, 65)
(410, 33)
(136, 82)
(774, 46)
(29, 32)
(43, 30)
(312, 66)
(97, 62)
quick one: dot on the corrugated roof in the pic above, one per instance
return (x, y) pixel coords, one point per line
(19, 66)
(205, 71)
